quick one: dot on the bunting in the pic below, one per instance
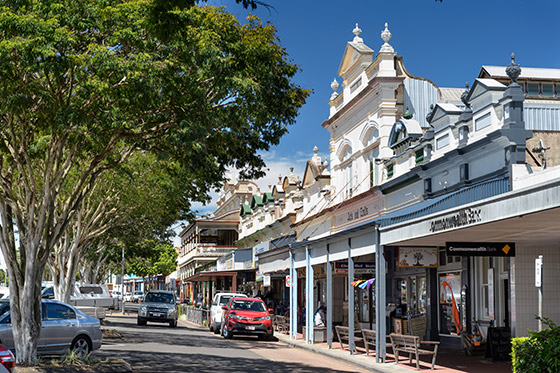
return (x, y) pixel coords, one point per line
(363, 284)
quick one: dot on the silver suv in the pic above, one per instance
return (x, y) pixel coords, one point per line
(158, 306)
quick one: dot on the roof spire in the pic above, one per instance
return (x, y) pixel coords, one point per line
(386, 36)
(513, 70)
(334, 86)
(357, 31)
(464, 96)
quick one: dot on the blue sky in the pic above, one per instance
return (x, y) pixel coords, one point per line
(446, 42)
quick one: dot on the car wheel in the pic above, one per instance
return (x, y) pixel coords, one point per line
(173, 323)
(141, 322)
(216, 330)
(81, 347)
(226, 333)
(211, 327)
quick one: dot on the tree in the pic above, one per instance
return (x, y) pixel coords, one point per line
(85, 84)
(159, 260)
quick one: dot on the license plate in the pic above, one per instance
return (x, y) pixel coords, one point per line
(250, 327)
(156, 314)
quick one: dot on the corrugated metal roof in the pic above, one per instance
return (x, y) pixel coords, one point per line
(541, 117)
(526, 72)
(419, 95)
(451, 95)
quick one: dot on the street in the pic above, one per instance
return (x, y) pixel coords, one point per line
(188, 348)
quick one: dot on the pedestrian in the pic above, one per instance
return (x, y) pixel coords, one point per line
(199, 300)
(320, 317)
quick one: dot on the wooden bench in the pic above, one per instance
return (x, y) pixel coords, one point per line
(369, 339)
(343, 333)
(282, 324)
(410, 344)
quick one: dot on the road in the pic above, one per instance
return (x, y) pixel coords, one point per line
(188, 348)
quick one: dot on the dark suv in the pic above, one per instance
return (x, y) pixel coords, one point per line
(158, 306)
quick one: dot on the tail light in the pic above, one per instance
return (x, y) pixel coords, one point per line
(7, 359)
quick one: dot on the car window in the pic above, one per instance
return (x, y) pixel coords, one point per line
(248, 305)
(4, 307)
(159, 298)
(91, 290)
(57, 311)
(224, 300)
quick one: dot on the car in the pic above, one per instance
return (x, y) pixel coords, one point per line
(220, 300)
(7, 360)
(158, 306)
(127, 297)
(64, 328)
(247, 316)
(137, 296)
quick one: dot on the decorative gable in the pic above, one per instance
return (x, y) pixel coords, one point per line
(355, 54)
(481, 86)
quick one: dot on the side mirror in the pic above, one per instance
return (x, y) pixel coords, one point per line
(270, 310)
(224, 308)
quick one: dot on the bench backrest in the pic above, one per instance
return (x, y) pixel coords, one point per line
(342, 330)
(404, 340)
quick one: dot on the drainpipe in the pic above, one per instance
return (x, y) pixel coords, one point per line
(329, 299)
(351, 345)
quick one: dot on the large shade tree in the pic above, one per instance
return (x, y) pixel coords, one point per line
(87, 83)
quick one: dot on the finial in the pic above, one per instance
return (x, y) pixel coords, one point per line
(386, 36)
(291, 170)
(407, 114)
(357, 31)
(464, 96)
(334, 86)
(513, 70)
(315, 149)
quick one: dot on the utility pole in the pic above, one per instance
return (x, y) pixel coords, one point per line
(122, 282)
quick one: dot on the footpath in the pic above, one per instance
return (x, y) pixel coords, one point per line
(448, 361)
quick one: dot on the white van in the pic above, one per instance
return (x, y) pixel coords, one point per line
(220, 299)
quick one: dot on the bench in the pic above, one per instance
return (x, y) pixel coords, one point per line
(282, 324)
(343, 333)
(410, 344)
(369, 339)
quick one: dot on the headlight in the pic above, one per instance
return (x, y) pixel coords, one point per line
(234, 316)
(262, 318)
(171, 311)
(143, 309)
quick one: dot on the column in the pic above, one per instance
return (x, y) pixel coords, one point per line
(329, 299)
(380, 301)
(351, 345)
(293, 297)
(308, 297)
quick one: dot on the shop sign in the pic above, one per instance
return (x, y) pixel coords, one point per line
(288, 281)
(418, 257)
(359, 267)
(229, 264)
(266, 280)
(480, 248)
(463, 217)
(358, 212)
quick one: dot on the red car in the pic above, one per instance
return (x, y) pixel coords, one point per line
(247, 316)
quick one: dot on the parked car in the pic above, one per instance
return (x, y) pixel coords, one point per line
(64, 328)
(7, 360)
(247, 316)
(137, 296)
(127, 297)
(86, 295)
(220, 300)
(158, 306)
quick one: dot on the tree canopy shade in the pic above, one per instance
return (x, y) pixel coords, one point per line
(87, 83)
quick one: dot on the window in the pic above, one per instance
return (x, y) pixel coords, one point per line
(533, 89)
(442, 142)
(57, 311)
(348, 181)
(483, 122)
(547, 90)
(484, 265)
(389, 171)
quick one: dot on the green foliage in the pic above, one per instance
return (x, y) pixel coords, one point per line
(538, 353)
(157, 259)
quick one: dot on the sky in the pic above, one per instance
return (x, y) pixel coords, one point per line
(446, 42)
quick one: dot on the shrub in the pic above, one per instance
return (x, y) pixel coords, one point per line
(539, 353)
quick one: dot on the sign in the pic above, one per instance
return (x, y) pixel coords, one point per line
(480, 248)
(288, 281)
(266, 280)
(498, 343)
(359, 267)
(366, 208)
(538, 272)
(460, 219)
(418, 257)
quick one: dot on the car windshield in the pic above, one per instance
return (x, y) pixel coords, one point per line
(137, 293)
(224, 300)
(248, 305)
(158, 298)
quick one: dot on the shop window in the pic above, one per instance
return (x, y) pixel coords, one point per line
(450, 303)
(483, 122)
(484, 265)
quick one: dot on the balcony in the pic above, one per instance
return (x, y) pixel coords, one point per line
(204, 250)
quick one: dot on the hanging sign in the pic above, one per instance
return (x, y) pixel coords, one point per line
(288, 281)
(538, 272)
(418, 257)
(359, 267)
(266, 280)
(480, 248)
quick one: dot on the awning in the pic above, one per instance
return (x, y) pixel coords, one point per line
(213, 275)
